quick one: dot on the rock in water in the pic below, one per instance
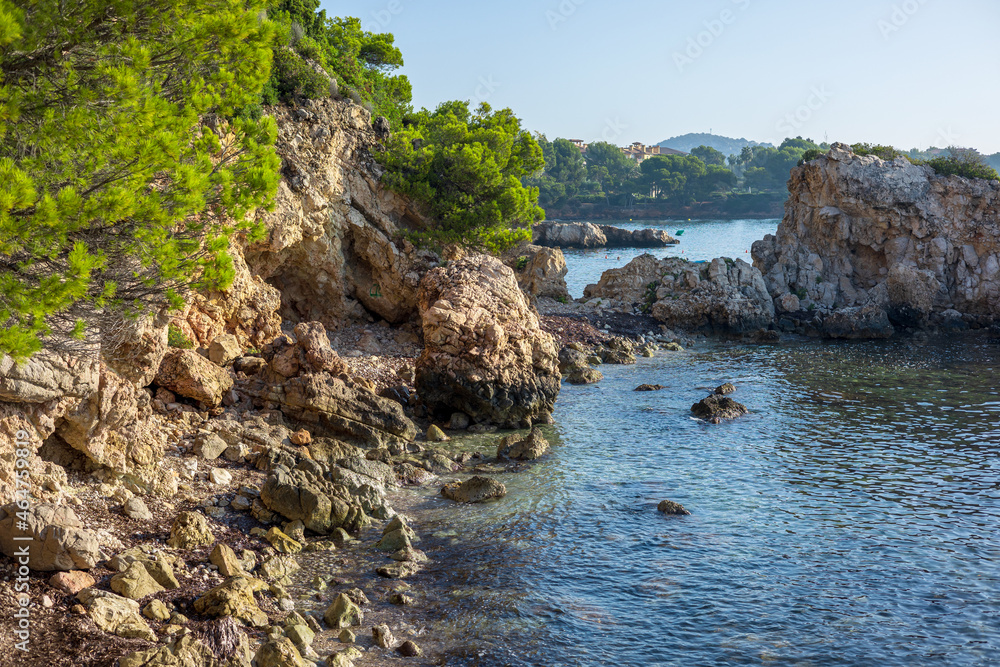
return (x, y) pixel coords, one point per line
(485, 353)
(409, 649)
(475, 490)
(725, 389)
(715, 408)
(585, 376)
(343, 613)
(670, 507)
(650, 387)
(435, 434)
(522, 449)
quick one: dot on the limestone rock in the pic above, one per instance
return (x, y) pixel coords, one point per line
(522, 449)
(862, 232)
(435, 434)
(541, 272)
(398, 570)
(857, 322)
(342, 613)
(190, 529)
(135, 582)
(224, 350)
(382, 636)
(474, 490)
(409, 649)
(320, 504)
(234, 597)
(189, 374)
(588, 235)
(115, 614)
(280, 652)
(585, 376)
(485, 353)
(224, 558)
(282, 543)
(58, 539)
(190, 651)
(135, 508)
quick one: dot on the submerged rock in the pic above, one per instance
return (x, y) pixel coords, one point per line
(649, 387)
(475, 490)
(670, 507)
(522, 449)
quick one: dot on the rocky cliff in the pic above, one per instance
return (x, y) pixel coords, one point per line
(878, 242)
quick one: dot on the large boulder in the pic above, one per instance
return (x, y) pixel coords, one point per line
(485, 353)
(57, 538)
(189, 374)
(322, 505)
(115, 614)
(541, 272)
(857, 322)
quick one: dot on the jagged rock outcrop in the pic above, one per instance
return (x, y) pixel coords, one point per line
(541, 272)
(722, 295)
(485, 353)
(862, 235)
(333, 244)
(589, 235)
(310, 383)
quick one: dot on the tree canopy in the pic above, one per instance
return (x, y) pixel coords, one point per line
(123, 180)
(465, 167)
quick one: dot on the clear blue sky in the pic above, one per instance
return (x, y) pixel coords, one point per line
(912, 73)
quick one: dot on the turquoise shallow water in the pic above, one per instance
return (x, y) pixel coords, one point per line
(853, 518)
(702, 240)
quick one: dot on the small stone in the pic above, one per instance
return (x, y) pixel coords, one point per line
(398, 570)
(395, 540)
(156, 611)
(295, 530)
(301, 635)
(224, 350)
(236, 453)
(47, 602)
(357, 596)
(135, 508)
(650, 387)
(670, 507)
(224, 558)
(190, 529)
(221, 477)
(301, 437)
(382, 636)
(409, 649)
(346, 636)
(135, 582)
(78, 609)
(435, 434)
(71, 582)
(282, 542)
(673, 347)
(401, 599)
(179, 619)
(279, 652)
(241, 503)
(459, 421)
(725, 389)
(409, 555)
(209, 446)
(343, 613)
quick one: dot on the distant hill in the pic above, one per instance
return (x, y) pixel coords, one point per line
(725, 145)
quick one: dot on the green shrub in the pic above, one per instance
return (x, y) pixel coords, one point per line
(522, 262)
(291, 77)
(811, 154)
(888, 153)
(176, 338)
(967, 164)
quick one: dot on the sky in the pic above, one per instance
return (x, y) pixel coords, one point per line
(911, 73)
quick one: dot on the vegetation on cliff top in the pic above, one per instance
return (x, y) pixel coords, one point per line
(465, 167)
(118, 193)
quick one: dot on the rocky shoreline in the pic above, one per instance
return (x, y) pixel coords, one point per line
(223, 486)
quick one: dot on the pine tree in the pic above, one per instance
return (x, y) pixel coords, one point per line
(125, 163)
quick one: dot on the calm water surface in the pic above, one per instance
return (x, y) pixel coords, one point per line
(852, 519)
(702, 240)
